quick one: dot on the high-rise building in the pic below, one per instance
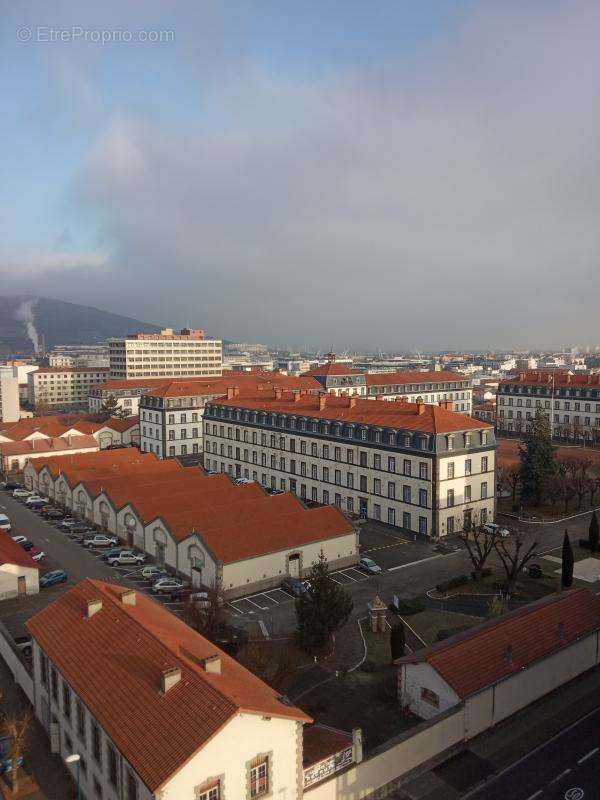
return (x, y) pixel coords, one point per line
(165, 355)
(9, 394)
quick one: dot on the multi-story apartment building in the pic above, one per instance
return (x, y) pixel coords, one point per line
(570, 402)
(426, 387)
(10, 407)
(153, 709)
(63, 386)
(171, 413)
(127, 393)
(423, 468)
(165, 355)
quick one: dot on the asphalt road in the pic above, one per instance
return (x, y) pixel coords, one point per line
(565, 768)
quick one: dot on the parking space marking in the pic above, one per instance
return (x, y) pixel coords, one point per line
(286, 597)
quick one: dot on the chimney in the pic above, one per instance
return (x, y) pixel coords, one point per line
(278, 393)
(322, 402)
(420, 408)
(260, 387)
(230, 394)
(93, 606)
(351, 402)
(296, 397)
(128, 597)
(170, 677)
(212, 664)
(236, 391)
(508, 656)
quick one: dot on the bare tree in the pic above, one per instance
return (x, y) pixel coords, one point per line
(16, 727)
(479, 546)
(513, 476)
(515, 552)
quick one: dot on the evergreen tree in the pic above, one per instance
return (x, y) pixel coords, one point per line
(567, 563)
(397, 641)
(110, 407)
(594, 533)
(538, 461)
(322, 609)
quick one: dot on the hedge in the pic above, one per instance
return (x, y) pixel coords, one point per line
(453, 583)
(407, 607)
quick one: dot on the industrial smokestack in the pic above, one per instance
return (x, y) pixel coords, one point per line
(25, 314)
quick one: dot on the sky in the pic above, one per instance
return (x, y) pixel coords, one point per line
(384, 174)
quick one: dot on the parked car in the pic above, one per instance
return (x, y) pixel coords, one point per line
(495, 530)
(368, 565)
(294, 585)
(20, 492)
(68, 522)
(19, 539)
(36, 503)
(10, 486)
(152, 572)
(534, 571)
(5, 523)
(37, 554)
(36, 498)
(191, 594)
(27, 545)
(53, 513)
(99, 540)
(126, 557)
(53, 577)
(166, 585)
(78, 527)
(114, 551)
(230, 638)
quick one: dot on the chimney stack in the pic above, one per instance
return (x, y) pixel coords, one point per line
(230, 394)
(170, 677)
(322, 402)
(128, 597)
(296, 396)
(278, 393)
(93, 606)
(212, 664)
(420, 408)
(351, 402)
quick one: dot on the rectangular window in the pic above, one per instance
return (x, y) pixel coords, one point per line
(377, 511)
(484, 490)
(467, 466)
(376, 486)
(406, 494)
(423, 497)
(326, 474)
(391, 516)
(363, 459)
(423, 525)
(423, 470)
(430, 697)
(259, 779)
(96, 743)
(392, 490)
(44, 670)
(81, 722)
(407, 466)
(132, 787)
(54, 684)
(450, 470)
(406, 521)
(113, 770)
(391, 464)
(363, 483)
(376, 462)
(484, 464)
(468, 493)
(210, 793)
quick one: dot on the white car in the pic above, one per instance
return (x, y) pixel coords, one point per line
(126, 557)
(495, 530)
(34, 499)
(19, 539)
(21, 493)
(4, 523)
(100, 540)
(166, 585)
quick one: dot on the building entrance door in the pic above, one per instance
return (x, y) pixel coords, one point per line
(294, 565)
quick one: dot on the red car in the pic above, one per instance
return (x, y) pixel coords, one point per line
(37, 554)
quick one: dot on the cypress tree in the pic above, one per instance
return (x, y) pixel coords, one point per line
(567, 563)
(594, 533)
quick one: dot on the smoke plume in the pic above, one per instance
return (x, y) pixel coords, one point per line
(25, 314)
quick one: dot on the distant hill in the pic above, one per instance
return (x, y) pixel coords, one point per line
(59, 323)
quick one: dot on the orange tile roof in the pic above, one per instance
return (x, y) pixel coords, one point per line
(114, 662)
(98, 460)
(331, 368)
(394, 414)
(219, 385)
(13, 553)
(44, 370)
(561, 379)
(48, 446)
(412, 376)
(473, 660)
(321, 741)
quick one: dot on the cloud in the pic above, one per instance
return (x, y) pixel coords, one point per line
(39, 265)
(446, 201)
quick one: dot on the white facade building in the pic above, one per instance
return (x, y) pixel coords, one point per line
(420, 467)
(63, 386)
(10, 408)
(165, 355)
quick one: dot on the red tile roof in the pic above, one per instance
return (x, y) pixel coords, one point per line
(48, 446)
(321, 742)
(114, 662)
(13, 553)
(216, 387)
(412, 377)
(561, 379)
(331, 368)
(471, 661)
(394, 414)
(113, 459)
(43, 370)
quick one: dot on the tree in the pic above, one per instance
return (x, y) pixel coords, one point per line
(538, 461)
(207, 617)
(110, 407)
(567, 563)
(479, 546)
(594, 533)
(515, 552)
(322, 609)
(16, 727)
(397, 641)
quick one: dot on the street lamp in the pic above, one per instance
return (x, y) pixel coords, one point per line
(75, 758)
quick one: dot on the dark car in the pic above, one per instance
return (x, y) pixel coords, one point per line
(27, 545)
(231, 638)
(534, 571)
(52, 578)
(10, 486)
(294, 585)
(53, 513)
(114, 551)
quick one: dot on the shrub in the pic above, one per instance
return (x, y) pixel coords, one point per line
(585, 543)
(485, 573)
(452, 583)
(407, 607)
(445, 633)
(499, 586)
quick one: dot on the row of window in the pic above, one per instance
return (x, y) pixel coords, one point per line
(576, 419)
(564, 405)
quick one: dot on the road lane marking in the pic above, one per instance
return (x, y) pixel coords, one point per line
(588, 755)
(264, 629)
(535, 794)
(558, 777)
(423, 561)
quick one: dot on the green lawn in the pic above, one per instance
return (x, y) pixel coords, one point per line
(426, 624)
(378, 645)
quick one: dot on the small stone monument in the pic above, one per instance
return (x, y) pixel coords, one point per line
(377, 613)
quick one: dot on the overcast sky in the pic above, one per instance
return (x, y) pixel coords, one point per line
(403, 174)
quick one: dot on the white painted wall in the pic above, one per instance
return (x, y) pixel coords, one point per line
(9, 575)
(415, 677)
